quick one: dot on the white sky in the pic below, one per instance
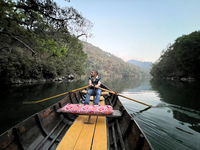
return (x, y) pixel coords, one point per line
(137, 29)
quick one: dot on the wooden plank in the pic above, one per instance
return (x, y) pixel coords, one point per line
(116, 114)
(102, 102)
(69, 140)
(100, 135)
(84, 141)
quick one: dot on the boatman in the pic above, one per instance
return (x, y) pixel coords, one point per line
(94, 84)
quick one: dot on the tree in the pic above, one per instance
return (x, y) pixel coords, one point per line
(42, 29)
(27, 21)
(181, 59)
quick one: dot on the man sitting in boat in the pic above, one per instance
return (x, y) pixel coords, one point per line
(94, 84)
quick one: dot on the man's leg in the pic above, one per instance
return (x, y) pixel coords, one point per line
(87, 98)
(98, 94)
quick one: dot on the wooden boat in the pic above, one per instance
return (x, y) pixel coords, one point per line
(47, 128)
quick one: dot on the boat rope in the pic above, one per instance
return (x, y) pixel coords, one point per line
(42, 100)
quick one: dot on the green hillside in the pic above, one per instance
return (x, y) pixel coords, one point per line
(180, 59)
(108, 64)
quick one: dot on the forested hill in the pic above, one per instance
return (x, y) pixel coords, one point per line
(180, 59)
(144, 65)
(108, 64)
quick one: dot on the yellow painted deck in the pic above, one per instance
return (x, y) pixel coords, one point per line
(82, 136)
(100, 135)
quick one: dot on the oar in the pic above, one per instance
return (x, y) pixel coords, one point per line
(125, 97)
(34, 102)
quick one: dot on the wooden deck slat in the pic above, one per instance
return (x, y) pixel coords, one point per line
(100, 135)
(85, 139)
(102, 102)
(91, 102)
(69, 140)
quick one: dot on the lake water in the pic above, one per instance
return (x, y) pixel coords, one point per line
(172, 123)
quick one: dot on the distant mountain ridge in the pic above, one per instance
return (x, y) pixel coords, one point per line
(145, 66)
(107, 63)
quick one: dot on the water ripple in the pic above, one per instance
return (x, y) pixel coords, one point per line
(166, 129)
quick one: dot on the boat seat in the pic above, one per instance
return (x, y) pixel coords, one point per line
(102, 93)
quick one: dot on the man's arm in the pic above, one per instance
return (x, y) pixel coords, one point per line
(90, 83)
(98, 85)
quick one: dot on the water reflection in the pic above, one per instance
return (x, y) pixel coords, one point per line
(121, 84)
(178, 93)
(185, 99)
(192, 119)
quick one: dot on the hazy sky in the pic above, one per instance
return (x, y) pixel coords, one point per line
(137, 29)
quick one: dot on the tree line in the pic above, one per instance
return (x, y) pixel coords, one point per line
(39, 39)
(180, 59)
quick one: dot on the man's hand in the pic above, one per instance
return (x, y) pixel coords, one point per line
(90, 85)
(96, 86)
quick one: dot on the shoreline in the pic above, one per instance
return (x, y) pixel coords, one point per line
(19, 81)
(184, 79)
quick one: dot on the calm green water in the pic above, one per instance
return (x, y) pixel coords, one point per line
(173, 123)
